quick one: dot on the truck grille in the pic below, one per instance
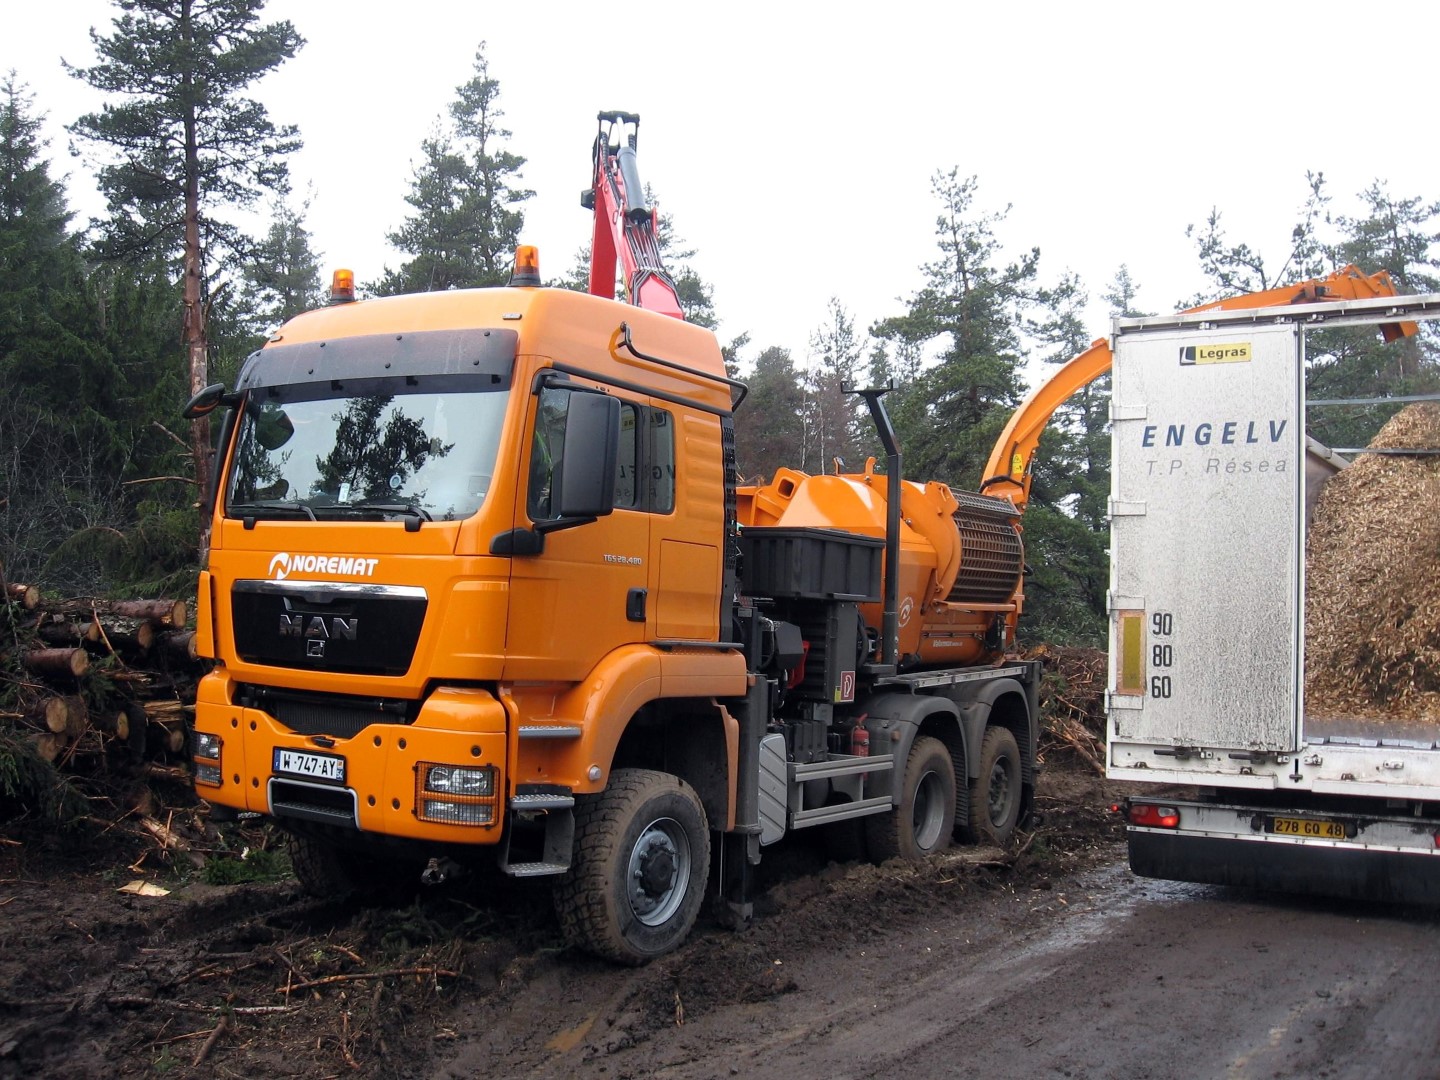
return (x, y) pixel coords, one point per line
(322, 626)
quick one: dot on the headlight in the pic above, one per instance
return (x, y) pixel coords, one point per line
(453, 780)
(457, 813)
(456, 794)
(205, 745)
(207, 774)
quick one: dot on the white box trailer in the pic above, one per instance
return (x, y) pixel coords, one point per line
(1212, 474)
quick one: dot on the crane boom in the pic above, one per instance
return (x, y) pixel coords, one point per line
(1009, 467)
(625, 228)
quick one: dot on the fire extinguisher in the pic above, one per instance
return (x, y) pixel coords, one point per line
(860, 738)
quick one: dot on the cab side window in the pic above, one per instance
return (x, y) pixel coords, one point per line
(661, 461)
(627, 462)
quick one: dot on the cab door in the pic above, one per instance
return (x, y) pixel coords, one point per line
(582, 594)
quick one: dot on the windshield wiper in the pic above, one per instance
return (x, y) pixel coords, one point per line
(414, 512)
(288, 505)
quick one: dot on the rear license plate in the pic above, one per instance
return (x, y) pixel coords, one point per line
(309, 764)
(1318, 828)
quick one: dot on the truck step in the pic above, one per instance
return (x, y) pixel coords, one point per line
(823, 815)
(536, 869)
(542, 802)
(550, 731)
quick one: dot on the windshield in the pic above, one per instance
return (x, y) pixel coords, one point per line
(382, 448)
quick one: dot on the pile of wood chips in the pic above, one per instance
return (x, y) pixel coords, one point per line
(1372, 617)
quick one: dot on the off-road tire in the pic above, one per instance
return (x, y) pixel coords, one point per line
(322, 869)
(995, 793)
(921, 825)
(644, 823)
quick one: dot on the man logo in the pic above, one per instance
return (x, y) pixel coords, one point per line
(283, 564)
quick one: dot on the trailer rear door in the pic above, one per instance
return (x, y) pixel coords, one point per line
(1207, 503)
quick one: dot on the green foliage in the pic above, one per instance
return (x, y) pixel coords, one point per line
(466, 199)
(254, 866)
(31, 787)
(1065, 589)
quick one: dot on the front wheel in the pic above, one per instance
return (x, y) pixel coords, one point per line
(922, 823)
(995, 793)
(637, 879)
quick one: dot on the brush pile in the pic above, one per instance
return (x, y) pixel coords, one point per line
(1072, 702)
(1372, 616)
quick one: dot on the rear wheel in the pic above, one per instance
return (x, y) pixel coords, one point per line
(922, 823)
(995, 793)
(641, 857)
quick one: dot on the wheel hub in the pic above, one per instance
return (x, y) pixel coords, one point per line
(999, 791)
(658, 871)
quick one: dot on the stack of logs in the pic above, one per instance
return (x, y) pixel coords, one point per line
(91, 677)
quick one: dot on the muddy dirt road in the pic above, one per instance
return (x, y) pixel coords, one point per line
(1099, 975)
(1046, 960)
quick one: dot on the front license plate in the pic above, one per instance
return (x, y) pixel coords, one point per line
(1318, 828)
(310, 765)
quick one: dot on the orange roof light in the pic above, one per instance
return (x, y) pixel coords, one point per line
(527, 266)
(342, 287)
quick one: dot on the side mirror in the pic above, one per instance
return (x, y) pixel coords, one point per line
(585, 486)
(205, 402)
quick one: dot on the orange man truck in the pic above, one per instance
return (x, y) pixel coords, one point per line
(482, 582)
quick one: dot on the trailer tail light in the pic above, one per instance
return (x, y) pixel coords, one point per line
(342, 287)
(455, 794)
(1153, 816)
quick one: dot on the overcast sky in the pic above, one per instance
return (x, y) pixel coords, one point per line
(794, 144)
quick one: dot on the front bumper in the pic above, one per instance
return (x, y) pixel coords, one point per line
(383, 764)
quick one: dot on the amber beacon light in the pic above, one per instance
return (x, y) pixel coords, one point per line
(342, 287)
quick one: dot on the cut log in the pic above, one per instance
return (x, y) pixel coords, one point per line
(63, 662)
(47, 746)
(27, 596)
(165, 612)
(180, 644)
(51, 713)
(136, 641)
(69, 632)
(172, 613)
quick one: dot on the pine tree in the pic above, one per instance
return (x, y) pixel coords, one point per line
(971, 307)
(832, 429)
(282, 274)
(81, 391)
(1065, 521)
(180, 138)
(465, 196)
(1398, 235)
(769, 427)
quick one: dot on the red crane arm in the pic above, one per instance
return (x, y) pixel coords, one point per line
(625, 228)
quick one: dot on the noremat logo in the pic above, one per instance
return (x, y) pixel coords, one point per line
(284, 564)
(1234, 352)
